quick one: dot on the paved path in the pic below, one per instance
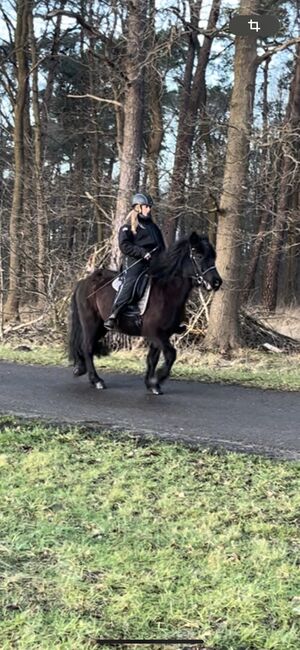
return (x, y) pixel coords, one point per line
(212, 415)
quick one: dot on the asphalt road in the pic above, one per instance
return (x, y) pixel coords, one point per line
(211, 415)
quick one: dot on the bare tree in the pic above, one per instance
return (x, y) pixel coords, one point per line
(133, 116)
(268, 175)
(21, 49)
(154, 88)
(38, 160)
(193, 98)
(290, 171)
(223, 330)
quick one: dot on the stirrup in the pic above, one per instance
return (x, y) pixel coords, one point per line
(110, 323)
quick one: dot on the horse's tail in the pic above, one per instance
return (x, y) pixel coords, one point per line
(76, 334)
(76, 353)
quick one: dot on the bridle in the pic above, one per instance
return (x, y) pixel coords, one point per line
(199, 274)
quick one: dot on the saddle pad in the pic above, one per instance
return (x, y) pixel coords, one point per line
(116, 283)
(142, 304)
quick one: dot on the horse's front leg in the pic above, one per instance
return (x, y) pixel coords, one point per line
(152, 361)
(94, 378)
(162, 373)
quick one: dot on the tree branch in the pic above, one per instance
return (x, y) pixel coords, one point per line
(97, 99)
(278, 48)
(89, 29)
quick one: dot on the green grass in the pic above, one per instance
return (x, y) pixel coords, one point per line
(246, 367)
(41, 354)
(105, 536)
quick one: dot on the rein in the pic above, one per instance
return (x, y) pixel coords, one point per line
(199, 274)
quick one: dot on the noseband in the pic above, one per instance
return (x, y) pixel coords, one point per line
(199, 274)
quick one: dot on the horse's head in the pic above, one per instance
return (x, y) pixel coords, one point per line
(203, 262)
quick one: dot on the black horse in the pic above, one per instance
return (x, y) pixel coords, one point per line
(187, 263)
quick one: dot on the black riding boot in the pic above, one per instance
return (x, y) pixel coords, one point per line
(110, 323)
(124, 295)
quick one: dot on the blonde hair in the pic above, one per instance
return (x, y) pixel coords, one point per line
(133, 218)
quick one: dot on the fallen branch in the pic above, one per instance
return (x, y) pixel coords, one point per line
(272, 348)
(23, 325)
(256, 335)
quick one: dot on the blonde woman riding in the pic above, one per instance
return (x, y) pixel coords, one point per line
(137, 238)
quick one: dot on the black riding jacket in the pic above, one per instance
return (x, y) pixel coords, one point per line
(147, 237)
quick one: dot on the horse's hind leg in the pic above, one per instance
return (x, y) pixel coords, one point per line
(91, 331)
(79, 367)
(162, 373)
(75, 340)
(152, 361)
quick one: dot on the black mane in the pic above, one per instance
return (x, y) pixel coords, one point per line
(169, 263)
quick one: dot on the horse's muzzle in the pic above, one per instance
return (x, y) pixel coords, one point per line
(206, 285)
(214, 285)
(217, 284)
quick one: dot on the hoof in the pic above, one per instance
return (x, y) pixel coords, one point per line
(100, 385)
(156, 391)
(154, 387)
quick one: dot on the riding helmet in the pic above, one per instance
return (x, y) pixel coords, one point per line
(142, 199)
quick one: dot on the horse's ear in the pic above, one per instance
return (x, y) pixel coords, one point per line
(194, 238)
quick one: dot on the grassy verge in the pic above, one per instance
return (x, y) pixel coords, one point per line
(106, 537)
(246, 367)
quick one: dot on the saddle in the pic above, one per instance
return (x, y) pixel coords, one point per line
(140, 294)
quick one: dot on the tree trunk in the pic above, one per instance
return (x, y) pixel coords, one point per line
(290, 284)
(155, 132)
(223, 332)
(178, 176)
(291, 133)
(38, 175)
(21, 45)
(95, 140)
(53, 63)
(133, 119)
(267, 189)
(193, 98)
(1, 269)
(212, 173)
(28, 242)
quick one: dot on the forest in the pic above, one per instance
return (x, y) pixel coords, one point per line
(100, 99)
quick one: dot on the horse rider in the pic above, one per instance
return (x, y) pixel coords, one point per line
(138, 238)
